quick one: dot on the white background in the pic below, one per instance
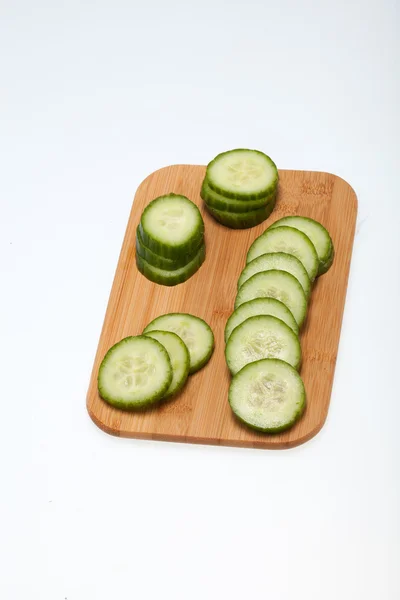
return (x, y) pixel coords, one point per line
(94, 96)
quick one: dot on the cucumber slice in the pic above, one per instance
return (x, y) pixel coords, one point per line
(179, 357)
(242, 220)
(280, 261)
(317, 234)
(155, 260)
(218, 202)
(135, 372)
(275, 284)
(267, 395)
(169, 278)
(172, 226)
(289, 240)
(260, 306)
(195, 332)
(260, 337)
(242, 174)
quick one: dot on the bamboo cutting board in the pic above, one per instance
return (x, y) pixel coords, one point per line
(201, 413)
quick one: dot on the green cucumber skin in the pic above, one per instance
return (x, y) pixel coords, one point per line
(238, 196)
(126, 406)
(221, 203)
(325, 266)
(271, 430)
(155, 260)
(242, 220)
(201, 363)
(171, 278)
(168, 251)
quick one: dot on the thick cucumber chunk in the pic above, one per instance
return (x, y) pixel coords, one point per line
(135, 373)
(288, 240)
(155, 260)
(195, 332)
(317, 234)
(260, 337)
(164, 277)
(260, 306)
(275, 284)
(172, 226)
(242, 220)
(242, 174)
(267, 395)
(179, 357)
(280, 261)
(218, 202)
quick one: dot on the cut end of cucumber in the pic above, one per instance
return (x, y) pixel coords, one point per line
(267, 395)
(179, 357)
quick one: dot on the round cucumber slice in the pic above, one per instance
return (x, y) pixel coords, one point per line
(179, 357)
(155, 260)
(218, 202)
(195, 333)
(260, 337)
(260, 306)
(267, 395)
(317, 234)
(242, 220)
(275, 284)
(288, 240)
(172, 226)
(170, 278)
(136, 372)
(280, 261)
(242, 174)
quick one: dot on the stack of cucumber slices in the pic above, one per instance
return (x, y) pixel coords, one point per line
(263, 351)
(141, 370)
(240, 188)
(170, 240)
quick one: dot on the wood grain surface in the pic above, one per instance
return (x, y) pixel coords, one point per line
(201, 413)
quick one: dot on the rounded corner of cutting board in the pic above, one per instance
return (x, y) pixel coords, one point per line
(97, 420)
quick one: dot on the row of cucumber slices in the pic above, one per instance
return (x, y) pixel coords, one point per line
(263, 351)
(141, 370)
(240, 187)
(170, 244)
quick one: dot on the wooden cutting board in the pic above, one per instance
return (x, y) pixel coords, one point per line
(200, 413)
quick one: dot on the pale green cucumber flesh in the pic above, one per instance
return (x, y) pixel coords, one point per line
(275, 284)
(172, 226)
(242, 174)
(260, 306)
(196, 334)
(318, 235)
(219, 202)
(267, 395)
(170, 278)
(179, 357)
(155, 260)
(288, 240)
(280, 261)
(135, 373)
(263, 336)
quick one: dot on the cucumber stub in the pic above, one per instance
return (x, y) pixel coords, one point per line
(275, 284)
(267, 395)
(317, 234)
(179, 357)
(280, 261)
(195, 333)
(260, 306)
(172, 226)
(288, 240)
(260, 337)
(242, 220)
(219, 202)
(136, 372)
(242, 174)
(169, 278)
